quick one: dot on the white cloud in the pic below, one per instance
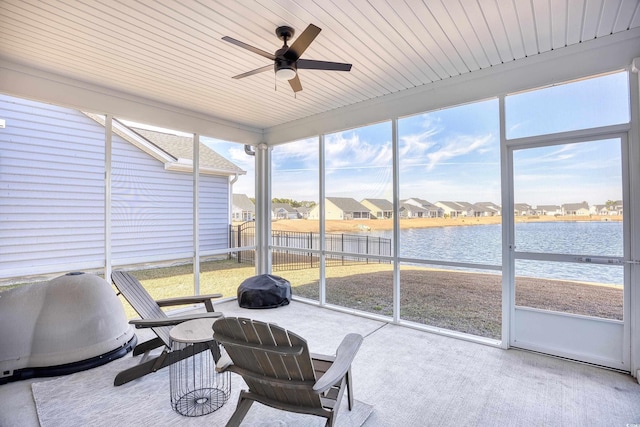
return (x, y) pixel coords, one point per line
(301, 155)
(456, 147)
(343, 152)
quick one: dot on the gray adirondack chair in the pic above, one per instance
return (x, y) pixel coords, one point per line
(280, 371)
(152, 316)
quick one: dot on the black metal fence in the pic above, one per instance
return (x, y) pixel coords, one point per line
(296, 258)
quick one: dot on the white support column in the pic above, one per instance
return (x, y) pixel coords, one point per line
(196, 214)
(508, 292)
(321, 217)
(396, 220)
(633, 212)
(263, 209)
(108, 143)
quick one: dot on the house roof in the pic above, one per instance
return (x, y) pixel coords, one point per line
(181, 147)
(467, 206)
(548, 207)
(575, 206)
(521, 206)
(412, 208)
(490, 206)
(165, 63)
(174, 150)
(423, 203)
(347, 204)
(243, 202)
(382, 204)
(451, 205)
(284, 206)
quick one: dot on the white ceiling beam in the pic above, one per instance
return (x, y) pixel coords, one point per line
(30, 83)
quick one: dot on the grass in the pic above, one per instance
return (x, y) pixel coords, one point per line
(216, 277)
(460, 301)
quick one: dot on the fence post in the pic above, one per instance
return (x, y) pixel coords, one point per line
(311, 247)
(366, 247)
(239, 245)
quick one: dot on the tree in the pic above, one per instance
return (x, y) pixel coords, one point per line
(610, 204)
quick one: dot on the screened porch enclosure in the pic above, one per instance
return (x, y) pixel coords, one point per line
(448, 276)
(513, 185)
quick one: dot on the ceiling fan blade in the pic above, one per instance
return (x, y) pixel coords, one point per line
(249, 47)
(302, 42)
(295, 84)
(256, 71)
(310, 64)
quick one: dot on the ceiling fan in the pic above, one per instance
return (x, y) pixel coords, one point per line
(286, 60)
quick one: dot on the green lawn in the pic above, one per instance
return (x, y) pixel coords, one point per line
(464, 302)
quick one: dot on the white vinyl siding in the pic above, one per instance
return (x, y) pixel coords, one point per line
(151, 215)
(52, 193)
(214, 212)
(51, 190)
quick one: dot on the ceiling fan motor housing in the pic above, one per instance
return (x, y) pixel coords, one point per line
(285, 33)
(281, 63)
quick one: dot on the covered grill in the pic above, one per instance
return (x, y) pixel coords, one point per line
(71, 323)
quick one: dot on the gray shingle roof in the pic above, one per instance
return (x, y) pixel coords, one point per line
(243, 202)
(452, 205)
(286, 206)
(575, 206)
(412, 208)
(382, 204)
(348, 204)
(181, 147)
(173, 147)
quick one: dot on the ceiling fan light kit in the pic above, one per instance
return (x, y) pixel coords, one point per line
(286, 60)
(285, 72)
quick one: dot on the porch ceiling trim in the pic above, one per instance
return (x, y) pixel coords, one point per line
(602, 55)
(30, 83)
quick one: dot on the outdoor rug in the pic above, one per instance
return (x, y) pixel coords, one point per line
(89, 398)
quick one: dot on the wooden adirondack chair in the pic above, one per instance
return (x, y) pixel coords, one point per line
(280, 371)
(153, 317)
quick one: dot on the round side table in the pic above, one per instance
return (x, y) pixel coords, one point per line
(196, 388)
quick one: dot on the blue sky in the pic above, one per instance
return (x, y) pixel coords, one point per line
(454, 154)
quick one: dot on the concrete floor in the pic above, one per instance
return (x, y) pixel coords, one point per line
(415, 378)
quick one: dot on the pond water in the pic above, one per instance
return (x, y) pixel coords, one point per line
(482, 244)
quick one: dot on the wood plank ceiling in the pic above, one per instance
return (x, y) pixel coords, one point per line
(171, 51)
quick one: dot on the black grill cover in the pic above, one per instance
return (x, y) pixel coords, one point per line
(264, 291)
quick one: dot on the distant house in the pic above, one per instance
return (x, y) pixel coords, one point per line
(408, 210)
(549, 210)
(522, 209)
(432, 211)
(283, 211)
(58, 173)
(303, 212)
(243, 208)
(616, 208)
(577, 209)
(341, 208)
(452, 209)
(489, 208)
(380, 208)
(599, 210)
(471, 210)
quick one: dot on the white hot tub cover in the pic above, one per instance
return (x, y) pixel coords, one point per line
(68, 324)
